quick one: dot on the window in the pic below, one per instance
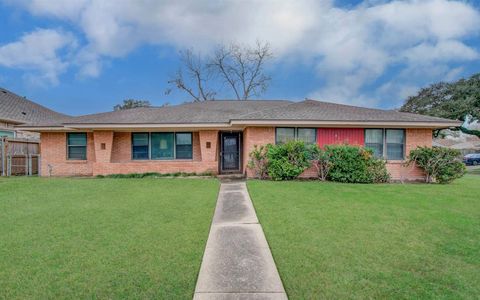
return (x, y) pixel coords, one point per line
(307, 135)
(162, 145)
(77, 146)
(283, 135)
(374, 141)
(395, 144)
(7, 133)
(183, 145)
(140, 143)
(387, 143)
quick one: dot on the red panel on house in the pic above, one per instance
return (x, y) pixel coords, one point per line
(351, 136)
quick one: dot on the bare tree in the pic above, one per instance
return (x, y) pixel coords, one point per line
(239, 68)
(198, 75)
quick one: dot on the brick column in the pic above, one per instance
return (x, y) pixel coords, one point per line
(103, 141)
(255, 136)
(417, 137)
(208, 145)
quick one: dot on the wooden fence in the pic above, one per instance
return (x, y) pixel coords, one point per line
(19, 157)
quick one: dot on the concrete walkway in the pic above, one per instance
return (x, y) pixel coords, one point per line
(237, 263)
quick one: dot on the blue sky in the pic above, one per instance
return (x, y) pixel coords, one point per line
(85, 56)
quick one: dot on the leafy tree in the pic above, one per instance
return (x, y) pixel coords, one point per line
(447, 100)
(131, 103)
(239, 69)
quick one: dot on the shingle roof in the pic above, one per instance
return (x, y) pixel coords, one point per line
(217, 111)
(313, 110)
(230, 111)
(20, 110)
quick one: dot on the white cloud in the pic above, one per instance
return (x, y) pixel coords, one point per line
(38, 51)
(350, 47)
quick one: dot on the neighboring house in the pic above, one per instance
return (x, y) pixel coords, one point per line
(217, 136)
(16, 110)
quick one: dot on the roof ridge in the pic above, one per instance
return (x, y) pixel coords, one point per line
(266, 109)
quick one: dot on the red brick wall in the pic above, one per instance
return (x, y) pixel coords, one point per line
(255, 136)
(116, 157)
(53, 149)
(414, 137)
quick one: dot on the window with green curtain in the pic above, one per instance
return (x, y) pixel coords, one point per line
(283, 135)
(7, 133)
(395, 144)
(162, 145)
(307, 135)
(77, 146)
(183, 145)
(140, 143)
(374, 141)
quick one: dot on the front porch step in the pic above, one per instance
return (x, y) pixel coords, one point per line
(231, 177)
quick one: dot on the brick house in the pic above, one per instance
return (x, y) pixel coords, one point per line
(217, 136)
(16, 110)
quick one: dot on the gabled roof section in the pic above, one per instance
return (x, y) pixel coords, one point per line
(19, 110)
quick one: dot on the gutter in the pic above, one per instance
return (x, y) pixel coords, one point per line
(243, 123)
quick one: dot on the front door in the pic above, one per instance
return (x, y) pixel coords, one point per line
(230, 152)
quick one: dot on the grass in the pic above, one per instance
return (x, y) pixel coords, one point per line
(103, 238)
(337, 241)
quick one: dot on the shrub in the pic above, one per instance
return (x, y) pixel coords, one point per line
(378, 170)
(355, 165)
(321, 161)
(287, 161)
(259, 162)
(440, 164)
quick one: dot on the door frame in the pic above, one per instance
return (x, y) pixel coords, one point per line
(240, 152)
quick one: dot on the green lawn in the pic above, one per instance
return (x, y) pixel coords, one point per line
(103, 238)
(412, 241)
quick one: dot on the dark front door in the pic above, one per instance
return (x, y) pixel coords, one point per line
(230, 151)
